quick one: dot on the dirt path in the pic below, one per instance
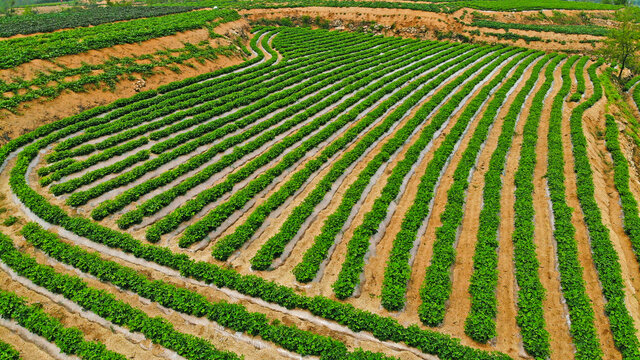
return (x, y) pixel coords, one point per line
(426, 25)
(42, 111)
(608, 200)
(555, 316)
(508, 332)
(22, 345)
(116, 341)
(590, 274)
(460, 302)
(305, 241)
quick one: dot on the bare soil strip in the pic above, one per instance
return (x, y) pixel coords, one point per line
(460, 302)
(23, 344)
(508, 337)
(590, 275)
(556, 315)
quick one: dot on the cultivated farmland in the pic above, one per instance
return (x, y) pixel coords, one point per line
(334, 195)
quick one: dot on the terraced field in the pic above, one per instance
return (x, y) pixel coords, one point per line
(337, 196)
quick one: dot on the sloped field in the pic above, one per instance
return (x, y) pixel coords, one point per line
(338, 195)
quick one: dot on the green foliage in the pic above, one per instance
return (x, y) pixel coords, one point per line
(572, 282)
(10, 221)
(7, 352)
(53, 83)
(623, 41)
(605, 255)
(30, 23)
(16, 51)
(480, 324)
(561, 29)
(530, 318)
(70, 341)
(382, 328)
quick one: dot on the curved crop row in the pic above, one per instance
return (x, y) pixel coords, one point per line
(199, 231)
(358, 245)
(605, 255)
(436, 287)
(313, 105)
(107, 306)
(55, 173)
(480, 324)
(70, 341)
(580, 79)
(622, 179)
(571, 272)
(225, 247)
(232, 316)
(383, 328)
(530, 318)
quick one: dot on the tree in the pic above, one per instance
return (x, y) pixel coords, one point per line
(623, 41)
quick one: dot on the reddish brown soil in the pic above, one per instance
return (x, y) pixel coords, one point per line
(426, 25)
(41, 111)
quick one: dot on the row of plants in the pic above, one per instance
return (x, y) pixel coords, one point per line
(622, 178)
(81, 198)
(53, 173)
(580, 87)
(106, 75)
(436, 287)
(90, 177)
(16, 51)
(561, 29)
(531, 294)
(48, 22)
(513, 37)
(107, 306)
(288, 230)
(572, 281)
(480, 324)
(226, 99)
(313, 105)
(225, 247)
(383, 328)
(70, 341)
(7, 352)
(359, 243)
(378, 90)
(231, 316)
(170, 101)
(371, 51)
(605, 256)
